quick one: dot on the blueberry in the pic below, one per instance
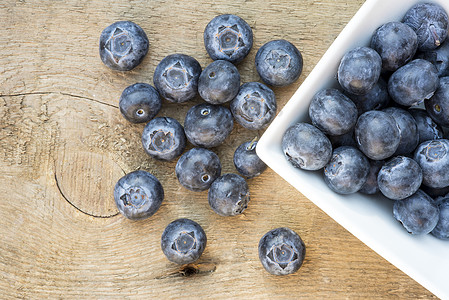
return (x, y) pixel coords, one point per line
(399, 178)
(413, 83)
(332, 112)
(183, 241)
(427, 128)
(281, 251)
(123, 45)
(409, 136)
(219, 82)
(176, 77)
(163, 138)
(375, 99)
(347, 170)
(433, 158)
(370, 187)
(439, 57)
(246, 160)
(228, 37)
(138, 195)
(430, 22)
(254, 107)
(438, 105)
(441, 230)
(229, 195)
(197, 168)
(208, 125)
(377, 134)
(359, 70)
(396, 44)
(417, 213)
(279, 63)
(140, 103)
(306, 147)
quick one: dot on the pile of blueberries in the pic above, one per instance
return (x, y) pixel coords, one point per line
(179, 78)
(382, 129)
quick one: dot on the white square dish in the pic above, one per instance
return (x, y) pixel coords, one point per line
(369, 218)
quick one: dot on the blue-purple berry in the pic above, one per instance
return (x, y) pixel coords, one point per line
(229, 195)
(139, 103)
(246, 160)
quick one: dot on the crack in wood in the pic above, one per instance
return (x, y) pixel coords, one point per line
(190, 270)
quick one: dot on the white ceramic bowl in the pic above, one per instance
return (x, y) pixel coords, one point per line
(369, 218)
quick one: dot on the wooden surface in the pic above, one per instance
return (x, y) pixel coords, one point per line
(64, 144)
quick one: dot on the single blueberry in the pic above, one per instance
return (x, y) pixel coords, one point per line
(441, 230)
(123, 45)
(246, 160)
(433, 158)
(208, 125)
(281, 251)
(439, 57)
(176, 77)
(370, 187)
(417, 213)
(399, 178)
(375, 99)
(279, 63)
(197, 168)
(332, 112)
(438, 105)
(409, 136)
(229, 195)
(183, 241)
(138, 195)
(347, 170)
(163, 138)
(413, 83)
(396, 44)
(427, 128)
(255, 106)
(219, 82)
(430, 22)
(306, 147)
(228, 37)
(359, 70)
(139, 103)
(377, 134)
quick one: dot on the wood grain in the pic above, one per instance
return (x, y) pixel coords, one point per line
(64, 145)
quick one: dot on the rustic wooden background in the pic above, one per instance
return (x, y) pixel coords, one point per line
(64, 144)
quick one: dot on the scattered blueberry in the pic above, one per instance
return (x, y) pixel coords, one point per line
(176, 77)
(123, 45)
(413, 83)
(347, 170)
(433, 158)
(409, 136)
(208, 125)
(163, 138)
(377, 134)
(427, 128)
(359, 70)
(438, 105)
(399, 178)
(246, 160)
(197, 168)
(306, 147)
(441, 230)
(140, 103)
(332, 112)
(370, 187)
(228, 37)
(281, 251)
(396, 44)
(430, 22)
(417, 213)
(375, 99)
(279, 63)
(219, 82)
(138, 195)
(229, 195)
(439, 57)
(254, 107)
(183, 241)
